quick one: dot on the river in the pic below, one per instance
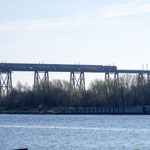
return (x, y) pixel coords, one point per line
(75, 132)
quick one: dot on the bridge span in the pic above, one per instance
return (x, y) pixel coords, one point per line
(77, 77)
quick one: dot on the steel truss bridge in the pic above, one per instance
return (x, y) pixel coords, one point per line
(77, 77)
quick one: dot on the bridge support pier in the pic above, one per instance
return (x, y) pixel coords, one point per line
(5, 83)
(38, 79)
(140, 79)
(107, 76)
(77, 82)
(148, 78)
(116, 78)
(107, 80)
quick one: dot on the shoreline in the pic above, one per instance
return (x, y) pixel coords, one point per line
(134, 110)
(23, 113)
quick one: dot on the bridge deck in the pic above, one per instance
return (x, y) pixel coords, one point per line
(5, 67)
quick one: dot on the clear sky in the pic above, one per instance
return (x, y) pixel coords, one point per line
(76, 31)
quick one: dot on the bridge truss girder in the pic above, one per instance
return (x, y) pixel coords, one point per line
(5, 83)
(77, 80)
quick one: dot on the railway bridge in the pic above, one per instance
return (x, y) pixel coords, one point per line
(77, 73)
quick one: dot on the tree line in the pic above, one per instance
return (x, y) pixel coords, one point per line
(129, 91)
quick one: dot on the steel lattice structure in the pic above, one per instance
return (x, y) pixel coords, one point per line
(5, 83)
(77, 73)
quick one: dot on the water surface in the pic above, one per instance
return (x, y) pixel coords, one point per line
(75, 132)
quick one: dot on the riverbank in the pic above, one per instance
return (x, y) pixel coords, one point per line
(100, 110)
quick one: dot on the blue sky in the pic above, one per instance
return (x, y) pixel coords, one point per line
(76, 31)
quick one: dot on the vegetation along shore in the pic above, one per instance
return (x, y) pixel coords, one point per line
(129, 95)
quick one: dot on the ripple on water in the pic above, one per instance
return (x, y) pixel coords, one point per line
(74, 132)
